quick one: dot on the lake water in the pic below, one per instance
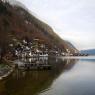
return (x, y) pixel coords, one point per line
(68, 76)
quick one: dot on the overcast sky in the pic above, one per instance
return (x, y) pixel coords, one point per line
(72, 20)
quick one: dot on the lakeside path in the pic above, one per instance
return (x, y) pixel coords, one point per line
(6, 69)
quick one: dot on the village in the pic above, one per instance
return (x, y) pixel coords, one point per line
(34, 48)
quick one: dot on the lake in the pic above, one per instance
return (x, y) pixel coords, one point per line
(68, 76)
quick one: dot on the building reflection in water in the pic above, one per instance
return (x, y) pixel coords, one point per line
(23, 82)
(35, 63)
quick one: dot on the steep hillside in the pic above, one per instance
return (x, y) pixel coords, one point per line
(17, 23)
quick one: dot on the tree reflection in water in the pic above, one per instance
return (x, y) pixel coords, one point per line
(23, 82)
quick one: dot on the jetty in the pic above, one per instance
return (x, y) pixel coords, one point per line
(34, 67)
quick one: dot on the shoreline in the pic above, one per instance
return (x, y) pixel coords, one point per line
(12, 66)
(9, 63)
(6, 75)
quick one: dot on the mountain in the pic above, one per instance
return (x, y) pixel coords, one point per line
(89, 51)
(17, 23)
(71, 46)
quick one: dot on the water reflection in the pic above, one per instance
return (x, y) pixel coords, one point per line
(23, 82)
(43, 60)
(79, 80)
(35, 63)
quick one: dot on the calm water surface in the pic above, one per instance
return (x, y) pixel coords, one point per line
(68, 76)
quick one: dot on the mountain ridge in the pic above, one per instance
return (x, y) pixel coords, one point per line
(88, 51)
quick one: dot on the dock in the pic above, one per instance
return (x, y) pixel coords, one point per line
(33, 66)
